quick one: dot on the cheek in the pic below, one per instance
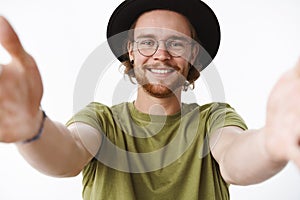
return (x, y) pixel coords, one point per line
(184, 67)
(139, 59)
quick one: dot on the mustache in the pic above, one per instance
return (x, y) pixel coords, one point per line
(159, 65)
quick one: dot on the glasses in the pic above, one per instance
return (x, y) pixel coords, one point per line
(175, 47)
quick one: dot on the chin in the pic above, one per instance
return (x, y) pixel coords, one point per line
(159, 91)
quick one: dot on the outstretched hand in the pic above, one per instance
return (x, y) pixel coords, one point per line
(21, 90)
(283, 118)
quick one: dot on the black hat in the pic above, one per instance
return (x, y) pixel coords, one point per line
(199, 14)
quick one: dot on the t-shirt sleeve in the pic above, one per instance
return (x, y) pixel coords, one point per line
(222, 115)
(93, 114)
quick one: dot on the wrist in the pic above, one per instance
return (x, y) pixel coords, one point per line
(39, 132)
(272, 148)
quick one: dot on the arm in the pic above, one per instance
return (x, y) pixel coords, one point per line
(255, 155)
(242, 156)
(60, 151)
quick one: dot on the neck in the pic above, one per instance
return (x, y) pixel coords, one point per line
(157, 106)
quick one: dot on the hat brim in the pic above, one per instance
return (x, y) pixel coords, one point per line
(199, 14)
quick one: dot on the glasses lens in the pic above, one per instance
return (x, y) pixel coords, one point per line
(147, 47)
(176, 47)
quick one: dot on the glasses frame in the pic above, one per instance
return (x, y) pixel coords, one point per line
(166, 47)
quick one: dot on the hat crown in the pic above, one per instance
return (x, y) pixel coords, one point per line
(200, 15)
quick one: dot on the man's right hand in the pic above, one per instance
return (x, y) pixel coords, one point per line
(60, 151)
(21, 90)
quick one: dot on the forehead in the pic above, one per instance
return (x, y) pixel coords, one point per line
(162, 23)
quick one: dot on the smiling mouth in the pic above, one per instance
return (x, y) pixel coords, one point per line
(161, 71)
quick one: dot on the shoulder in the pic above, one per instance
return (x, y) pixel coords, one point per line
(214, 106)
(209, 108)
(96, 114)
(219, 114)
(100, 109)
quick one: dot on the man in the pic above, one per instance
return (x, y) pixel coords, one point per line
(161, 53)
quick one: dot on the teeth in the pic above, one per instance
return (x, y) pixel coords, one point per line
(161, 71)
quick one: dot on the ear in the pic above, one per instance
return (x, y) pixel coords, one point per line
(130, 50)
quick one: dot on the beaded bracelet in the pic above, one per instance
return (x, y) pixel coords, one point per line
(38, 135)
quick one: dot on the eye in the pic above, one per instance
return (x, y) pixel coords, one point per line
(147, 43)
(176, 44)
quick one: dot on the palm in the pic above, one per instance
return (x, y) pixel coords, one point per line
(20, 89)
(283, 117)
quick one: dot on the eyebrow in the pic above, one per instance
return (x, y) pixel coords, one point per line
(174, 37)
(145, 36)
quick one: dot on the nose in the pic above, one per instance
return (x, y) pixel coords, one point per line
(161, 52)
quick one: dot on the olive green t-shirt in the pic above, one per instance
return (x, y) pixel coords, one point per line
(155, 157)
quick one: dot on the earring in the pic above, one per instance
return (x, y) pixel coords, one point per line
(186, 85)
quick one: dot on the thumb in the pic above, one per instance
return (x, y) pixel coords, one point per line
(9, 39)
(296, 69)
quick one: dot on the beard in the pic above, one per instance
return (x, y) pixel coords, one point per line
(158, 91)
(161, 88)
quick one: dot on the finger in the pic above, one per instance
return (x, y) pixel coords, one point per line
(1, 68)
(9, 39)
(294, 155)
(297, 68)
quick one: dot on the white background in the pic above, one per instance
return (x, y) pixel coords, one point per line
(260, 40)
